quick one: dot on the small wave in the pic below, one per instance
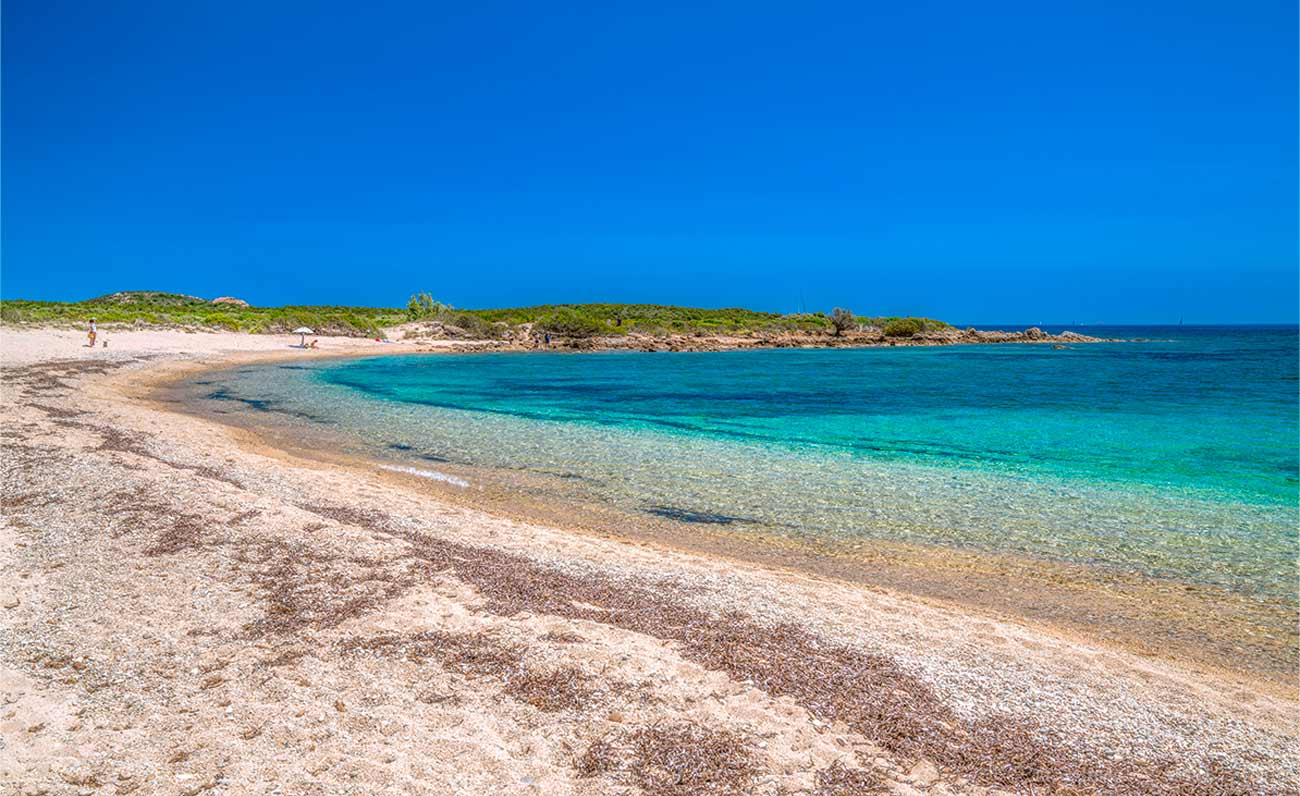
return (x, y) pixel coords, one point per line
(434, 474)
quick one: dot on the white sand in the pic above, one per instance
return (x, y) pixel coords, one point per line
(134, 570)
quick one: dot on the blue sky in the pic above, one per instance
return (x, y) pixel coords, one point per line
(1001, 161)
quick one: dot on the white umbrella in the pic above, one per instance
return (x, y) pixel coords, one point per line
(304, 331)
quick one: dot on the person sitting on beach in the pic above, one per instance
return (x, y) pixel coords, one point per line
(313, 342)
(92, 332)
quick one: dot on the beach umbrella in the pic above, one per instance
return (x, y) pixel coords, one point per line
(304, 331)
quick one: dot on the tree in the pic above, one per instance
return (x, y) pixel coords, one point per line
(423, 307)
(842, 320)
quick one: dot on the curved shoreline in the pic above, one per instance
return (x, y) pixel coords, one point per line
(1193, 624)
(243, 577)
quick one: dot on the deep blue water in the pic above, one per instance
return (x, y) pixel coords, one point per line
(1175, 456)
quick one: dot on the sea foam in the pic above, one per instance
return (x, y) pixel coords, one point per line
(434, 474)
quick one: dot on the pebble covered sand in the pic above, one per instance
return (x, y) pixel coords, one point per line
(187, 611)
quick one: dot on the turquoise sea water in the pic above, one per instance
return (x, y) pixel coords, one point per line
(1175, 456)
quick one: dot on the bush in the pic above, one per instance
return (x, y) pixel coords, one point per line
(223, 322)
(473, 325)
(567, 323)
(902, 327)
(842, 320)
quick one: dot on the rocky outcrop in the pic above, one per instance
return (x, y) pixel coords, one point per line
(231, 300)
(523, 338)
(859, 339)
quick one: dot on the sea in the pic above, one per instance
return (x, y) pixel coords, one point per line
(1171, 454)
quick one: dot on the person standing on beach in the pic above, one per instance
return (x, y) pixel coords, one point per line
(92, 332)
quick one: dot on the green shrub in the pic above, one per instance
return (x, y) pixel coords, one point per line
(641, 318)
(902, 327)
(224, 322)
(473, 325)
(566, 322)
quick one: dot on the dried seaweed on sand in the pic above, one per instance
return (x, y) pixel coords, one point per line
(681, 759)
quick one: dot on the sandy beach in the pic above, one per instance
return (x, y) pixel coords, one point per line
(190, 610)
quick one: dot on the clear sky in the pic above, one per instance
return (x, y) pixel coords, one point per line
(998, 161)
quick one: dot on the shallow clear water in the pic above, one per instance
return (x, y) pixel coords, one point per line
(1174, 457)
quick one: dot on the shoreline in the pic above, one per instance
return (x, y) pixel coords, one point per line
(976, 581)
(361, 522)
(424, 339)
(1161, 618)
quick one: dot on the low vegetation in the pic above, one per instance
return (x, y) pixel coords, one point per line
(462, 323)
(171, 310)
(590, 320)
(902, 327)
(603, 319)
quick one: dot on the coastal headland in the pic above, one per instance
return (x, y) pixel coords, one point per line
(191, 610)
(577, 327)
